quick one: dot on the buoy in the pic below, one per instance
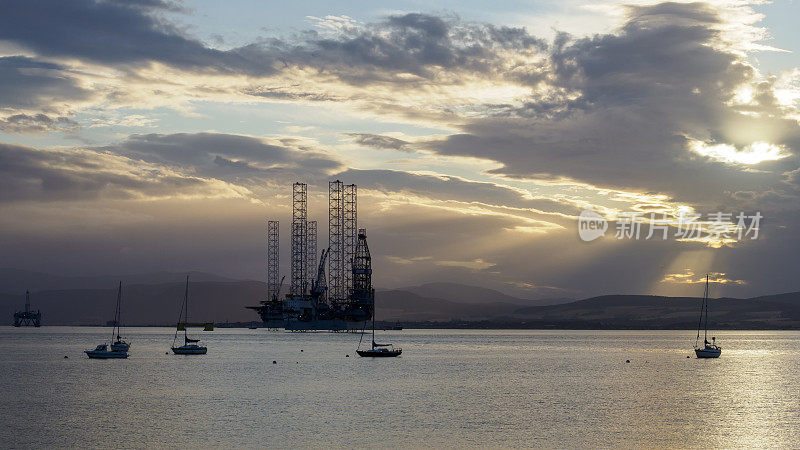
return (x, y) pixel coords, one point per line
(346, 356)
(688, 356)
(274, 362)
(65, 356)
(627, 360)
(166, 353)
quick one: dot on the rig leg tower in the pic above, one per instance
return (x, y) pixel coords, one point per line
(28, 317)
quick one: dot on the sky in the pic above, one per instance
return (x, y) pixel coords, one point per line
(149, 135)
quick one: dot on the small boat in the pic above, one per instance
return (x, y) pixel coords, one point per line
(190, 346)
(377, 350)
(102, 352)
(709, 349)
(119, 349)
(119, 345)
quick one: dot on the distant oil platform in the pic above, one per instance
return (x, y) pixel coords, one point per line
(346, 297)
(28, 317)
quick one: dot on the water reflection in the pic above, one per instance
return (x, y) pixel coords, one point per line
(450, 388)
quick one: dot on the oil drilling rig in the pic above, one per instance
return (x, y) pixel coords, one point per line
(344, 298)
(28, 317)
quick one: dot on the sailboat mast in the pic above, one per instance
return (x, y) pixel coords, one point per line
(373, 330)
(705, 338)
(186, 308)
(119, 309)
(116, 314)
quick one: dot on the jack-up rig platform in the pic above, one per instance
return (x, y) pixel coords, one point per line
(344, 299)
(28, 317)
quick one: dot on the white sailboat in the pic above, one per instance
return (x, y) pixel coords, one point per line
(709, 349)
(190, 346)
(118, 344)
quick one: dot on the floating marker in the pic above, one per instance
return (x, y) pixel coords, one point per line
(274, 362)
(627, 361)
(346, 356)
(65, 356)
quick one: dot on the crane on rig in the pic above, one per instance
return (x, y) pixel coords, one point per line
(319, 287)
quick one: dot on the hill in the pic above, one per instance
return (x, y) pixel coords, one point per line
(400, 305)
(647, 311)
(462, 293)
(210, 301)
(78, 301)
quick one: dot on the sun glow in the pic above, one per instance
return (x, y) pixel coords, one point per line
(754, 153)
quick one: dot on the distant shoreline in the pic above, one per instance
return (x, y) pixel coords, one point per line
(487, 325)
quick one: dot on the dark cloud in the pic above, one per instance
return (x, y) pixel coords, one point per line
(113, 33)
(29, 174)
(379, 141)
(31, 84)
(24, 123)
(614, 110)
(423, 45)
(631, 103)
(126, 33)
(444, 188)
(276, 93)
(227, 156)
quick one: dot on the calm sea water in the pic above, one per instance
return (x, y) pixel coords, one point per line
(449, 388)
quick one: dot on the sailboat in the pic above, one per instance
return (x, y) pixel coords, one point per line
(102, 352)
(119, 349)
(377, 350)
(709, 349)
(190, 346)
(118, 345)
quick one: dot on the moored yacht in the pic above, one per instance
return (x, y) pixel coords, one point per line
(102, 352)
(190, 346)
(119, 348)
(709, 349)
(377, 350)
(119, 344)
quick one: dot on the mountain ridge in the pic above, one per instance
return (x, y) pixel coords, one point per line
(225, 301)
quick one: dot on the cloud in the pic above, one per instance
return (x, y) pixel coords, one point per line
(52, 175)
(235, 158)
(622, 110)
(112, 33)
(24, 123)
(444, 64)
(378, 141)
(460, 193)
(752, 154)
(421, 45)
(29, 84)
(688, 277)
(607, 121)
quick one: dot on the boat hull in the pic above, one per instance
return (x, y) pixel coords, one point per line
(708, 352)
(379, 354)
(94, 354)
(189, 351)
